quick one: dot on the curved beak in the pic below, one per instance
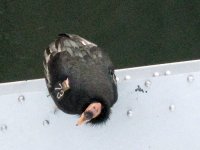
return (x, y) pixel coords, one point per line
(82, 120)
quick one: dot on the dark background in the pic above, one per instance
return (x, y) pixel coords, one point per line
(134, 32)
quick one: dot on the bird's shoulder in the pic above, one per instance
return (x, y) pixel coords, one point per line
(70, 50)
(72, 46)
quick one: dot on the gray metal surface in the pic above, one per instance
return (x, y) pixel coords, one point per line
(158, 109)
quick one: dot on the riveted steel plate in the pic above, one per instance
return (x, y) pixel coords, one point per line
(153, 112)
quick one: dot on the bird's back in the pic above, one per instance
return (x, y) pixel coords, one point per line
(88, 68)
(68, 44)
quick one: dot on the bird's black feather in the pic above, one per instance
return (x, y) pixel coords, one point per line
(90, 73)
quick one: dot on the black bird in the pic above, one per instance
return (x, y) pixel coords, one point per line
(80, 78)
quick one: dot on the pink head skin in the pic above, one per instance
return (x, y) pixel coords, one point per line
(92, 111)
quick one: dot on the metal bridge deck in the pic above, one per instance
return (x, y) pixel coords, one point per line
(158, 109)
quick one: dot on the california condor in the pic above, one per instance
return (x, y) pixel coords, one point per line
(80, 78)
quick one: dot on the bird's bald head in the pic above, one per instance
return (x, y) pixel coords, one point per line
(92, 111)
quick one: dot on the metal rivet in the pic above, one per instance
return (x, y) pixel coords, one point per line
(147, 83)
(156, 74)
(130, 113)
(46, 122)
(172, 108)
(3, 127)
(127, 77)
(190, 78)
(21, 98)
(167, 72)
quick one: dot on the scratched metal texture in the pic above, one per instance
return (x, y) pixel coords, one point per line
(158, 109)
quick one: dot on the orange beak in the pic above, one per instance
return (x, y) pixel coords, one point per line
(81, 120)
